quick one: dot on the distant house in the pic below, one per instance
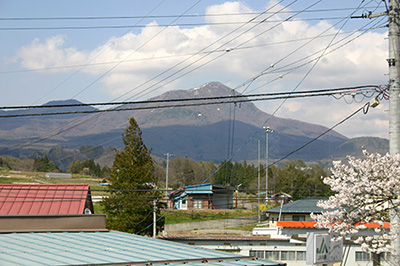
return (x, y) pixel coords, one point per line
(280, 198)
(299, 210)
(203, 196)
(38, 199)
(58, 175)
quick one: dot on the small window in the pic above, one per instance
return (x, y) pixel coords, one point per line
(259, 254)
(197, 204)
(362, 256)
(301, 255)
(299, 218)
(288, 255)
(272, 255)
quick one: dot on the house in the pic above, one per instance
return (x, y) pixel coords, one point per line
(49, 199)
(280, 198)
(299, 210)
(203, 196)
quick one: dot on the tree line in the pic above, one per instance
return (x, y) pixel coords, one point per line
(293, 177)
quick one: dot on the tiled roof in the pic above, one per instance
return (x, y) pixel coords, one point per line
(110, 248)
(28, 199)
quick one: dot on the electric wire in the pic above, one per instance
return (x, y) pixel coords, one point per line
(164, 57)
(158, 25)
(103, 50)
(364, 108)
(76, 123)
(73, 126)
(221, 100)
(168, 16)
(135, 50)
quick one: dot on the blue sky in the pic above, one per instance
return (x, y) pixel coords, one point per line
(118, 60)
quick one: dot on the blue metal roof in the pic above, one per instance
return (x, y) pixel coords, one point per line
(104, 248)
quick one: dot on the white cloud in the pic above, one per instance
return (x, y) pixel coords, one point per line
(147, 56)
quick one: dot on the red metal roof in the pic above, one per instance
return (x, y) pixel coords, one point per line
(21, 199)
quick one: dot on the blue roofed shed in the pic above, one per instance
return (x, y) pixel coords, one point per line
(203, 196)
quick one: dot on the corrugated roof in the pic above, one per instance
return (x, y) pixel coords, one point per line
(91, 248)
(306, 206)
(29, 199)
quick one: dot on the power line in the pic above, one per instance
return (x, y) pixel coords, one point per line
(222, 100)
(354, 89)
(169, 56)
(166, 16)
(82, 121)
(158, 25)
(365, 107)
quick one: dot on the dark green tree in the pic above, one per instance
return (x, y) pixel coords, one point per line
(223, 176)
(44, 165)
(129, 207)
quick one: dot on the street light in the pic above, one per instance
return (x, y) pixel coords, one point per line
(267, 131)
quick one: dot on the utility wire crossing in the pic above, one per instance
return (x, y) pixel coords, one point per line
(352, 91)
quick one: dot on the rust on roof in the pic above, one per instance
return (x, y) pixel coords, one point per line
(37, 199)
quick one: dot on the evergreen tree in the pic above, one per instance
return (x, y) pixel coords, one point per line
(129, 207)
(44, 165)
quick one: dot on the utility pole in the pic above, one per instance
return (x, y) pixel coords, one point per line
(394, 106)
(259, 183)
(267, 131)
(154, 218)
(166, 177)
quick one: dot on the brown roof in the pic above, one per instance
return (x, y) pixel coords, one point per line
(28, 199)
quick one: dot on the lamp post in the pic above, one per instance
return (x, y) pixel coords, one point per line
(267, 131)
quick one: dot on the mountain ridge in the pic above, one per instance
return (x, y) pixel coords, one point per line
(200, 132)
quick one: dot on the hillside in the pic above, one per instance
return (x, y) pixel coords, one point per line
(199, 132)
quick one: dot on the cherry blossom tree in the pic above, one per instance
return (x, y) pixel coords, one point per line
(367, 191)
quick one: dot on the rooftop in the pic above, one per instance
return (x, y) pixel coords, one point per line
(305, 206)
(109, 248)
(37, 199)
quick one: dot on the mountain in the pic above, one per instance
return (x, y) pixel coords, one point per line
(201, 132)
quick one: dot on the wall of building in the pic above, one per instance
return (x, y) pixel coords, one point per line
(289, 251)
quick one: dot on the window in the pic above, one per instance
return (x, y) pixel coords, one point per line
(288, 255)
(197, 204)
(362, 256)
(299, 218)
(259, 254)
(301, 255)
(272, 255)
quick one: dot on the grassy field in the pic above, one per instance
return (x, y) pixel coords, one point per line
(187, 216)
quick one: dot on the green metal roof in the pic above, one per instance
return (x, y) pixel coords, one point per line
(306, 206)
(106, 248)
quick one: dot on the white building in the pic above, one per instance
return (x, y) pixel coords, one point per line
(283, 241)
